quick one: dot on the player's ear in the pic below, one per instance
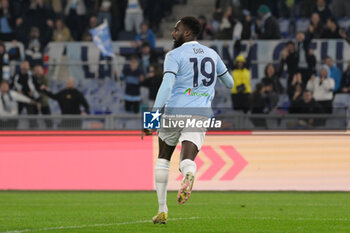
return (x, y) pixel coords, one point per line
(187, 33)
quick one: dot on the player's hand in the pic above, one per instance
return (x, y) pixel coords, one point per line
(148, 131)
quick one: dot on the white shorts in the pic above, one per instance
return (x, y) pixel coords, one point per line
(172, 136)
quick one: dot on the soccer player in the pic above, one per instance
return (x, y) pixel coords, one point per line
(188, 65)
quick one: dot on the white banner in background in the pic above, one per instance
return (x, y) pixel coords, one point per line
(262, 53)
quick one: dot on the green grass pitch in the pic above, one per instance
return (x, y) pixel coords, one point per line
(205, 212)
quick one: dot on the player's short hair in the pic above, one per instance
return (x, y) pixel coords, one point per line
(193, 24)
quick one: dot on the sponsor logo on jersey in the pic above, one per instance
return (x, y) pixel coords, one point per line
(193, 93)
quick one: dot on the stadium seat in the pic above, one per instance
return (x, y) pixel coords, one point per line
(302, 24)
(344, 23)
(283, 101)
(341, 100)
(284, 27)
(124, 35)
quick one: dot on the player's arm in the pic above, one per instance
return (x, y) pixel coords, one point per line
(162, 95)
(223, 74)
(226, 79)
(164, 91)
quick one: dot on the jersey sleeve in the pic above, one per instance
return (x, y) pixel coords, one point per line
(171, 64)
(220, 67)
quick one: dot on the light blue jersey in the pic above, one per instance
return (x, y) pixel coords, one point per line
(196, 68)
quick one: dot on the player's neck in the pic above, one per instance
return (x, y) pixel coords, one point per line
(190, 41)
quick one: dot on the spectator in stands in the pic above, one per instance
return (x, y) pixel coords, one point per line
(7, 21)
(24, 84)
(132, 74)
(9, 100)
(148, 56)
(332, 30)
(289, 57)
(305, 62)
(153, 12)
(104, 8)
(133, 16)
(92, 24)
(322, 89)
(35, 48)
(146, 35)
(241, 90)
(317, 26)
(298, 93)
(57, 7)
(341, 8)
(264, 100)
(271, 96)
(259, 104)
(267, 27)
(61, 32)
(153, 80)
(299, 58)
(323, 10)
(207, 32)
(345, 81)
(38, 15)
(69, 99)
(305, 8)
(222, 5)
(311, 62)
(333, 73)
(272, 78)
(343, 34)
(116, 11)
(39, 79)
(242, 29)
(247, 23)
(226, 26)
(293, 87)
(5, 59)
(75, 12)
(306, 105)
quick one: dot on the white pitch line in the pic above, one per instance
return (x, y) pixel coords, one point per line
(177, 219)
(93, 225)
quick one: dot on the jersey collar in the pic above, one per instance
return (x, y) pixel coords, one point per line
(191, 42)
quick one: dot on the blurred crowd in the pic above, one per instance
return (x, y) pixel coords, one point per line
(310, 87)
(276, 19)
(35, 23)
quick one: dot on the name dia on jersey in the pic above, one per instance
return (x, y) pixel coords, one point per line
(198, 50)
